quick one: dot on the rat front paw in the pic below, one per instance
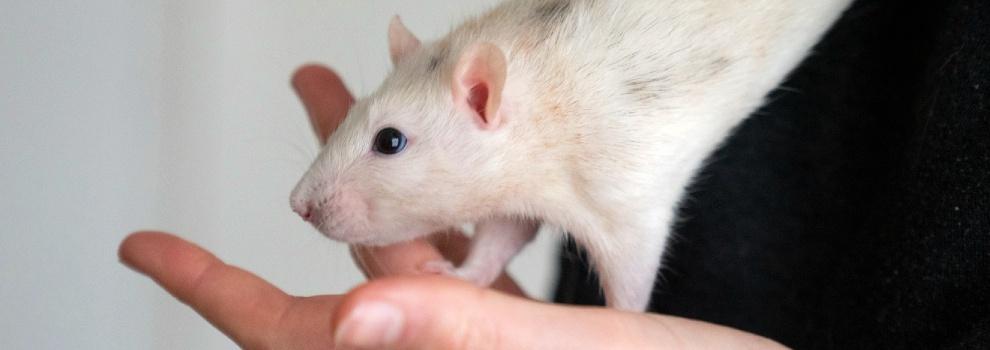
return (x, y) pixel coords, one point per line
(447, 268)
(439, 267)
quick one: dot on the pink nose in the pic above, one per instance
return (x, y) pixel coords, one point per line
(303, 209)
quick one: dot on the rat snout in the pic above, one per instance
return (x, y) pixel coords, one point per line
(313, 209)
(303, 208)
(338, 212)
(307, 202)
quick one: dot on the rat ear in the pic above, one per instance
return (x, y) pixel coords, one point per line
(401, 42)
(479, 78)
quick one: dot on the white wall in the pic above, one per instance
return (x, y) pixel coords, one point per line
(121, 115)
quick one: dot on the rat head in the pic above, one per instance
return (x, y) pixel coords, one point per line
(420, 154)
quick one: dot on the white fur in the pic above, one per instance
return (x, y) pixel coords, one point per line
(609, 109)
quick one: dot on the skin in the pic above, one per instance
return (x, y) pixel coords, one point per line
(435, 312)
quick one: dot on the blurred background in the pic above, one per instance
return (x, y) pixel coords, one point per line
(173, 115)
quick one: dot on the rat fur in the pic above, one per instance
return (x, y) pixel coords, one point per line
(588, 115)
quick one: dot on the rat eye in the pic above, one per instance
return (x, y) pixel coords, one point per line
(390, 141)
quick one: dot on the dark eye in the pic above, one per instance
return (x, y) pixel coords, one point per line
(390, 141)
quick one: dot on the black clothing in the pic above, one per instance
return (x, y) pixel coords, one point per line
(853, 211)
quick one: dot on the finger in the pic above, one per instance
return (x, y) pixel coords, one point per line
(406, 259)
(400, 259)
(435, 313)
(324, 96)
(244, 307)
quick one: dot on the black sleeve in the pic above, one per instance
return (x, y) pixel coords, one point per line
(853, 211)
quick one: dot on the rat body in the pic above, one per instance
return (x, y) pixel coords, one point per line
(588, 115)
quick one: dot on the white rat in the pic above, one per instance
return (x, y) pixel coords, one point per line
(588, 115)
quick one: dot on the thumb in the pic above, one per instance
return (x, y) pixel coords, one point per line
(443, 313)
(438, 313)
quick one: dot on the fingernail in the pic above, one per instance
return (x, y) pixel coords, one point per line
(370, 325)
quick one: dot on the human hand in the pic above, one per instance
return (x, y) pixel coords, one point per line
(397, 309)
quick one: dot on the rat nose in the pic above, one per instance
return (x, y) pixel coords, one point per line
(303, 209)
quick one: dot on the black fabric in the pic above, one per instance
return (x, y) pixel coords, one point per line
(853, 211)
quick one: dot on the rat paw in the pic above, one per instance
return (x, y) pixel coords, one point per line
(439, 267)
(447, 268)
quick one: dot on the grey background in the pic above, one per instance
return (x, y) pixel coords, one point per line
(176, 115)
